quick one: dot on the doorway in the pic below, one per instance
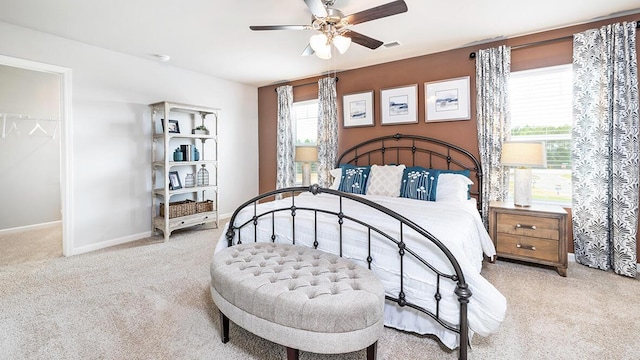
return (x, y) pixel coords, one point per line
(35, 116)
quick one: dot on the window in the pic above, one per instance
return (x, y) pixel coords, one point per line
(305, 130)
(541, 110)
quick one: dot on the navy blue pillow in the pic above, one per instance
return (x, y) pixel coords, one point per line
(354, 178)
(419, 183)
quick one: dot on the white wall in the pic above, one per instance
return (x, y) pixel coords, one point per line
(112, 132)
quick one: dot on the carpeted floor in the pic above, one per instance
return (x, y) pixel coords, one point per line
(150, 300)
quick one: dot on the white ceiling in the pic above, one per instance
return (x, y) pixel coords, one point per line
(213, 36)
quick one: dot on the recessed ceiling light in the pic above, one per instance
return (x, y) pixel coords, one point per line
(162, 58)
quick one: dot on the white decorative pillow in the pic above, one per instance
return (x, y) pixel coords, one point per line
(385, 180)
(337, 175)
(453, 187)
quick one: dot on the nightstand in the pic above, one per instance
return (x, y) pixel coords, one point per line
(535, 234)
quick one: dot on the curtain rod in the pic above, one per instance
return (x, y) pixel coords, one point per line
(305, 84)
(472, 55)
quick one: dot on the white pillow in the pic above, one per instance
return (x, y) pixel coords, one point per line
(337, 175)
(453, 187)
(385, 180)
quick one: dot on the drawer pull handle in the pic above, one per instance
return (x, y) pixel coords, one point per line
(526, 247)
(521, 226)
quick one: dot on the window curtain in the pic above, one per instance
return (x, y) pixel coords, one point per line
(327, 129)
(493, 67)
(605, 148)
(285, 153)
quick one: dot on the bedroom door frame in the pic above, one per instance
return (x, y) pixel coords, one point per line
(66, 143)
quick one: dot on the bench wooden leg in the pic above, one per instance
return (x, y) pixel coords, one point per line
(224, 327)
(372, 351)
(292, 354)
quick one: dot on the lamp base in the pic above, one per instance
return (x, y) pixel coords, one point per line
(306, 174)
(522, 187)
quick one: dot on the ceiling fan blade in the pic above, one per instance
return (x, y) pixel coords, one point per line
(392, 8)
(308, 51)
(363, 40)
(317, 7)
(280, 27)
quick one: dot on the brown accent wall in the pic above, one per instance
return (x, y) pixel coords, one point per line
(418, 70)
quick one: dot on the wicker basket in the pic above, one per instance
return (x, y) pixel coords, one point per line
(179, 208)
(204, 206)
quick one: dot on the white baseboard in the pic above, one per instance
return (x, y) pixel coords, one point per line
(30, 227)
(109, 243)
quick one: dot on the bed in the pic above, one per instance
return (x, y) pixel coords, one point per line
(427, 249)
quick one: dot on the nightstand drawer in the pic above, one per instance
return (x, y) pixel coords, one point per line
(534, 248)
(525, 225)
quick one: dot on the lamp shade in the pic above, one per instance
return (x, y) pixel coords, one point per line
(341, 43)
(306, 154)
(524, 154)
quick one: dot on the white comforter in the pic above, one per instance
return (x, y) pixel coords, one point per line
(457, 225)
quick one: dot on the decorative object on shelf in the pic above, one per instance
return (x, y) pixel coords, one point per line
(447, 100)
(196, 154)
(174, 181)
(178, 155)
(189, 181)
(204, 206)
(523, 156)
(358, 109)
(180, 208)
(203, 176)
(305, 155)
(399, 105)
(173, 126)
(200, 130)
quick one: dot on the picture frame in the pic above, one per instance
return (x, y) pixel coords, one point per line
(447, 100)
(358, 109)
(399, 105)
(174, 181)
(173, 125)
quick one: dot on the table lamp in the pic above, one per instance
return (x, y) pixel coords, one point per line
(305, 155)
(523, 156)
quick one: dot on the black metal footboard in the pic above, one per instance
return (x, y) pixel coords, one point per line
(461, 290)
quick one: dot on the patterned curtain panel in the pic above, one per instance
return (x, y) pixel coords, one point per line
(493, 67)
(605, 148)
(285, 155)
(327, 129)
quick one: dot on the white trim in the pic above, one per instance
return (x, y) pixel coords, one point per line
(109, 243)
(30, 227)
(66, 142)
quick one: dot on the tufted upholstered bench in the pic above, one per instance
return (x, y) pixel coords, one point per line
(299, 297)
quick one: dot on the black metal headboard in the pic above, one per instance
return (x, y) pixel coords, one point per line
(415, 150)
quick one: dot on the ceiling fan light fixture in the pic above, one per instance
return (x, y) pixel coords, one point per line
(325, 53)
(319, 42)
(342, 43)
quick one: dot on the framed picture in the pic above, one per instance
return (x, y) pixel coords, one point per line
(399, 105)
(358, 109)
(173, 125)
(447, 100)
(174, 181)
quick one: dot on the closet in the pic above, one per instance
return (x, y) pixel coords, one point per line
(30, 129)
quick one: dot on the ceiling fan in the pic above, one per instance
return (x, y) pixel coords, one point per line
(334, 26)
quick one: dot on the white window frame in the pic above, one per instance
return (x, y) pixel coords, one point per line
(298, 167)
(562, 177)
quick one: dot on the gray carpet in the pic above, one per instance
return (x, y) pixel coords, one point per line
(150, 300)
